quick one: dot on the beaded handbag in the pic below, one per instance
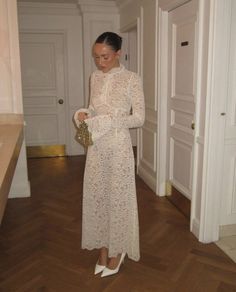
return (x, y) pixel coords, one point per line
(83, 135)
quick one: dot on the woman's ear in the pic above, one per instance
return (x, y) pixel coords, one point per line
(118, 54)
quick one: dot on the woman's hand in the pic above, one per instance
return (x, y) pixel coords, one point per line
(82, 116)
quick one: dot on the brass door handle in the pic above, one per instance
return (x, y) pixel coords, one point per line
(60, 101)
(193, 126)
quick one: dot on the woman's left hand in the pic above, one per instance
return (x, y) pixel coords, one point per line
(82, 116)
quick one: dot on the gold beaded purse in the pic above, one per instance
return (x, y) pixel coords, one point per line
(83, 135)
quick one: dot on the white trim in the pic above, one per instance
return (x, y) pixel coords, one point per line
(230, 141)
(156, 54)
(20, 186)
(220, 11)
(140, 72)
(122, 3)
(185, 191)
(150, 180)
(195, 227)
(130, 26)
(228, 230)
(199, 141)
(137, 23)
(151, 119)
(98, 6)
(168, 5)
(21, 190)
(140, 42)
(162, 103)
(151, 106)
(47, 8)
(153, 166)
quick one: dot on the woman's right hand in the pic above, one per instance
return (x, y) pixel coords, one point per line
(82, 116)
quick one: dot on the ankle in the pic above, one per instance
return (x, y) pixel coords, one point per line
(103, 257)
(114, 262)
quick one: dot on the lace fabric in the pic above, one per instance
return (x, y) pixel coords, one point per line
(110, 215)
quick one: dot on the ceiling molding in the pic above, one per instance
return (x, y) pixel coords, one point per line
(122, 3)
(98, 6)
(48, 8)
(168, 5)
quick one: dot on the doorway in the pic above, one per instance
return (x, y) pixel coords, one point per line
(130, 60)
(178, 102)
(43, 84)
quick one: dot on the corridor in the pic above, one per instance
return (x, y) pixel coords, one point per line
(40, 242)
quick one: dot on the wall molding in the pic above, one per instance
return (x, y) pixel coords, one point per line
(122, 3)
(149, 180)
(48, 8)
(228, 230)
(98, 6)
(162, 81)
(168, 5)
(150, 164)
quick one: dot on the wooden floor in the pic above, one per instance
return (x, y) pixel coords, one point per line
(40, 242)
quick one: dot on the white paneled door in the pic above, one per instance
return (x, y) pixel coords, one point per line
(181, 96)
(43, 79)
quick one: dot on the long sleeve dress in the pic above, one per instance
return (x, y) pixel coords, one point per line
(110, 215)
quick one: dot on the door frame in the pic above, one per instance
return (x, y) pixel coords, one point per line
(138, 24)
(127, 56)
(164, 9)
(206, 227)
(217, 87)
(162, 187)
(63, 33)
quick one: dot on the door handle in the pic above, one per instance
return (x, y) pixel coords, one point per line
(60, 101)
(193, 126)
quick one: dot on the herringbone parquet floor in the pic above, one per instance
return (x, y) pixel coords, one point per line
(40, 242)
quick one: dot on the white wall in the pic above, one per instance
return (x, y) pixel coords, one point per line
(144, 13)
(98, 16)
(10, 85)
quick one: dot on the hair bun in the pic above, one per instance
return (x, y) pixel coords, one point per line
(111, 39)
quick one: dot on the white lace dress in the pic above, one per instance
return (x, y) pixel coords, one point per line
(110, 216)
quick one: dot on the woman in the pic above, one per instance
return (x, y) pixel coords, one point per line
(110, 217)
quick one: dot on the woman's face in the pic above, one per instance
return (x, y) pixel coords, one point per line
(105, 57)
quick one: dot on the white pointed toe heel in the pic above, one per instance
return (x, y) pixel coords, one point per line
(98, 269)
(108, 272)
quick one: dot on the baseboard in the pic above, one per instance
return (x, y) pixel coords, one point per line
(20, 191)
(195, 229)
(149, 180)
(227, 230)
(180, 201)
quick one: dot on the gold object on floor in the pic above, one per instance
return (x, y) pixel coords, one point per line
(46, 151)
(168, 188)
